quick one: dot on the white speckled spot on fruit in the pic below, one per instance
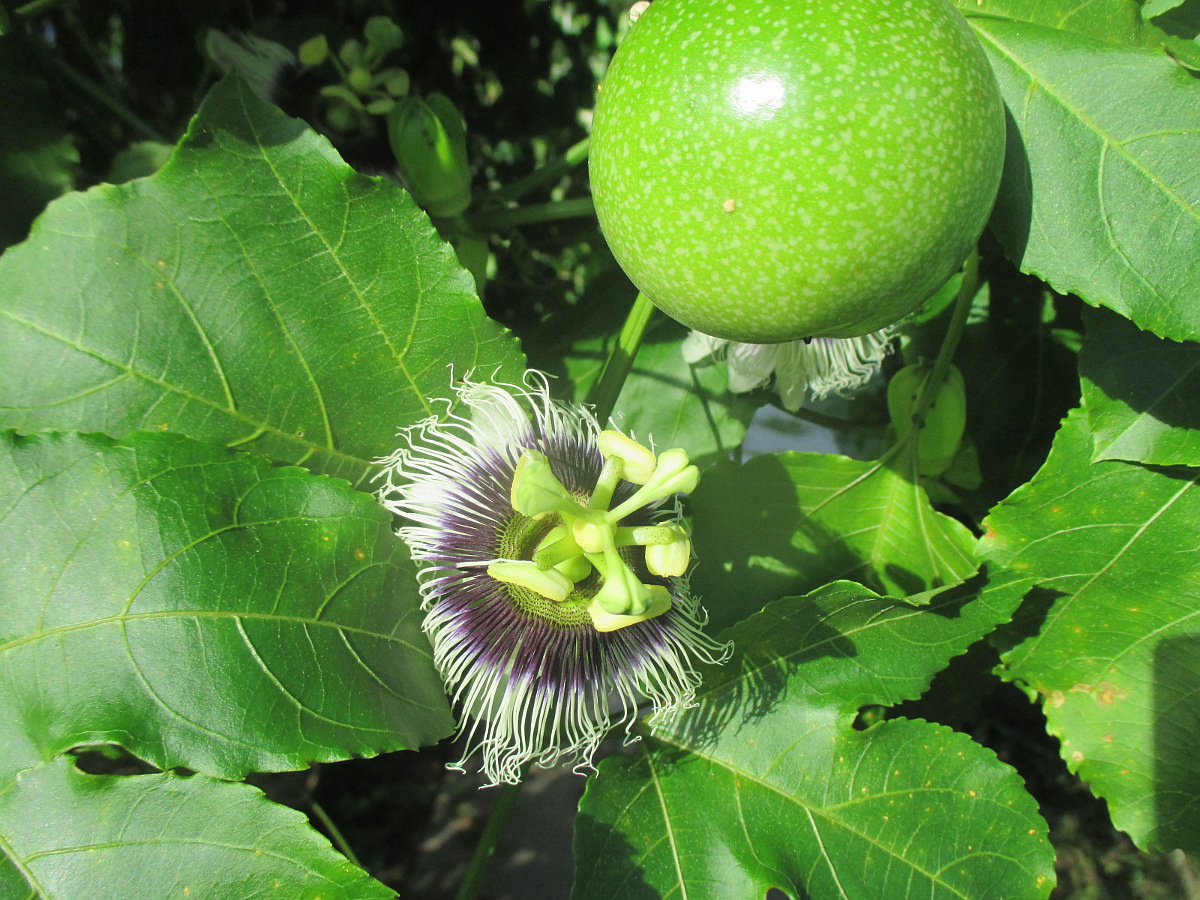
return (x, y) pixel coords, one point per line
(771, 171)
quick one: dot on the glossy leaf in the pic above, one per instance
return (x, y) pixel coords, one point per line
(1116, 659)
(73, 836)
(1100, 196)
(1141, 393)
(766, 783)
(786, 523)
(1115, 21)
(256, 292)
(676, 404)
(203, 609)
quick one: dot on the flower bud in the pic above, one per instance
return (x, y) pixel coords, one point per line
(429, 142)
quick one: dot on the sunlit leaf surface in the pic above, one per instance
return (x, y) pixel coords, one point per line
(257, 292)
(203, 609)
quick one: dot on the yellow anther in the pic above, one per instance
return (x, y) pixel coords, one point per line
(639, 461)
(603, 620)
(548, 583)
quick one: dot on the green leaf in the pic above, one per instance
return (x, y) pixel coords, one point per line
(256, 292)
(766, 783)
(1176, 29)
(665, 398)
(1100, 195)
(72, 835)
(203, 609)
(1114, 21)
(1141, 393)
(1117, 658)
(37, 156)
(1153, 8)
(787, 523)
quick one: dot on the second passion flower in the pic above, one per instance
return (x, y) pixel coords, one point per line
(553, 574)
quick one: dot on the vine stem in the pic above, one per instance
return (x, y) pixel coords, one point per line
(954, 333)
(506, 217)
(506, 800)
(546, 175)
(36, 8)
(604, 393)
(334, 832)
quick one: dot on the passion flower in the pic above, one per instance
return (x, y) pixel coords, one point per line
(773, 171)
(797, 369)
(552, 579)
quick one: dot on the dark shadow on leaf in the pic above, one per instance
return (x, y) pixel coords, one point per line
(799, 650)
(1182, 22)
(768, 654)
(1152, 376)
(1027, 621)
(1013, 214)
(1176, 750)
(747, 522)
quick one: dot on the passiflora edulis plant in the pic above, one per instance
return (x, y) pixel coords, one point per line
(350, 464)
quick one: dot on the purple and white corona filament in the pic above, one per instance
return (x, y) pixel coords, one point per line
(552, 573)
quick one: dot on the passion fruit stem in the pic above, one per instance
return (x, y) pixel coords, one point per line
(544, 176)
(954, 332)
(499, 219)
(604, 393)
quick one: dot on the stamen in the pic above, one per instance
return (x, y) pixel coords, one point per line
(674, 474)
(639, 461)
(537, 491)
(548, 583)
(605, 621)
(670, 560)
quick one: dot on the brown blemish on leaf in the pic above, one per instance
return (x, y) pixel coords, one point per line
(1105, 693)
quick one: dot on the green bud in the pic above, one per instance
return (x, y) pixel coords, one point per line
(381, 106)
(314, 51)
(382, 34)
(428, 140)
(359, 80)
(342, 93)
(351, 53)
(395, 81)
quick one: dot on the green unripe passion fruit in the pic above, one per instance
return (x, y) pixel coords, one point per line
(798, 168)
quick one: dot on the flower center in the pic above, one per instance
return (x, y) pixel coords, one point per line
(565, 558)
